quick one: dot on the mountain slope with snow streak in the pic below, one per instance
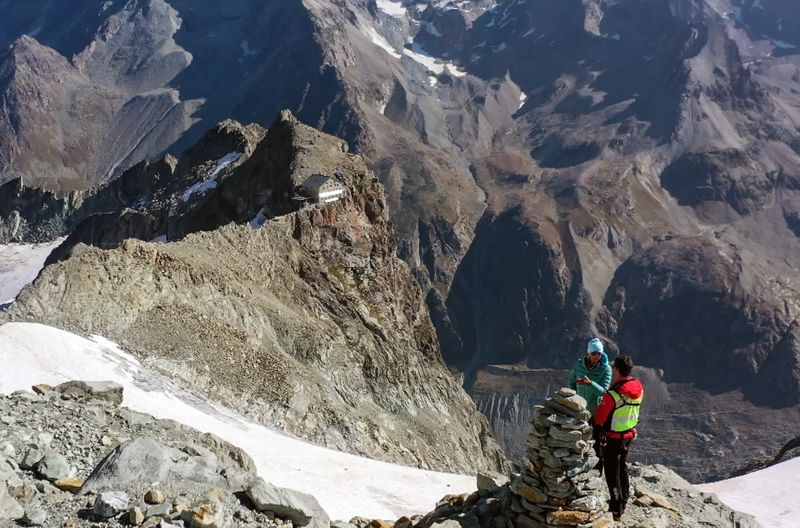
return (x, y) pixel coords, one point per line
(345, 485)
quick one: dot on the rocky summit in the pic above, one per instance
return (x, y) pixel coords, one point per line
(559, 487)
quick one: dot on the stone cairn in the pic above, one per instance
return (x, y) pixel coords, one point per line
(559, 487)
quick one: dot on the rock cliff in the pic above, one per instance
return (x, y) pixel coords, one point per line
(307, 321)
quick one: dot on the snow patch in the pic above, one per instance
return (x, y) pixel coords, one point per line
(211, 182)
(432, 64)
(770, 495)
(522, 98)
(20, 264)
(345, 485)
(381, 42)
(392, 8)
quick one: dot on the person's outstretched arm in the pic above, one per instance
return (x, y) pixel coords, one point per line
(605, 382)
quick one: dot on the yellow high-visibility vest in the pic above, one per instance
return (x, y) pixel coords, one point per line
(625, 415)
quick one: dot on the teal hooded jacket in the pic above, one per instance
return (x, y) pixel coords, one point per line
(600, 377)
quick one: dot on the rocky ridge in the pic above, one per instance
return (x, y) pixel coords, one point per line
(249, 313)
(71, 456)
(147, 201)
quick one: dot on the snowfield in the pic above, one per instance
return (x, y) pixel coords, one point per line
(770, 495)
(345, 485)
(20, 264)
(431, 63)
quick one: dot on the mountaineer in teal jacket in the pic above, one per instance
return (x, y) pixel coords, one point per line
(590, 377)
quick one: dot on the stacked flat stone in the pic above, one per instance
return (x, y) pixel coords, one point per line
(558, 486)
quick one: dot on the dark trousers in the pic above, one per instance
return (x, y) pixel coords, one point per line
(597, 436)
(615, 457)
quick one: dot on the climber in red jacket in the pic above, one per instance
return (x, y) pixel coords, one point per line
(618, 414)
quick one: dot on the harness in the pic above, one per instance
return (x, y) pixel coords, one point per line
(625, 415)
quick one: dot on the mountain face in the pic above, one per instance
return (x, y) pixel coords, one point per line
(553, 169)
(91, 91)
(301, 317)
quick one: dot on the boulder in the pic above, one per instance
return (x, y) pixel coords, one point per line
(301, 508)
(53, 467)
(528, 492)
(32, 457)
(574, 402)
(567, 517)
(72, 485)
(8, 473)
(92, 390)
(35, 514)
(448, 523)
(206, 516)
(662, 502)
(144, 459)
(154, 496)
(110, 504)
(181, 504)
(489, 481)
(42, 389)
(7, 449)
(135, 516)
(590, 503)
(9, 507)
(159, 510)
(402, 522)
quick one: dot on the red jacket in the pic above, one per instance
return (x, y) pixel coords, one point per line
(627, 387)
